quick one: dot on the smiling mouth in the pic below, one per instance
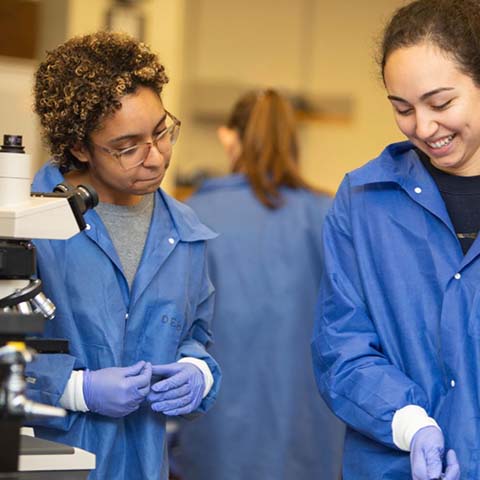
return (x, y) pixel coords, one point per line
(442, 142)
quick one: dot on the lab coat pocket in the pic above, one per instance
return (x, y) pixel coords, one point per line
(161, 335)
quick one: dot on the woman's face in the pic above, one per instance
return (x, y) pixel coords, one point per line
(139, 120)
(436, 106)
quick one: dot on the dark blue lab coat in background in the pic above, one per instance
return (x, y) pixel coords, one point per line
(399, 316)
(165, 316)
(269, 422)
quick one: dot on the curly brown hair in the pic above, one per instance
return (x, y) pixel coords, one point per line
(82, 81)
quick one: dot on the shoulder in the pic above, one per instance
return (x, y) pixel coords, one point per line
(47, 177)
(217, 198)
(220, 186)
(368, 188)
(307, 199)
(392, 163)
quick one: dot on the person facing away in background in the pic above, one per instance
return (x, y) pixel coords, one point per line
(132, 291)
(396, 350)
(269, 422)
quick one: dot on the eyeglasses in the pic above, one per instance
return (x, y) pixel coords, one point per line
(135, 155)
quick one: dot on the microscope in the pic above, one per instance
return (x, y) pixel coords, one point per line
(24, 308)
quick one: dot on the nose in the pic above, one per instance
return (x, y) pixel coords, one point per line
(425, 125)
(155, 157)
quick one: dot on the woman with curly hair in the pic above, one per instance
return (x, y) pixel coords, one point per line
(132, 291)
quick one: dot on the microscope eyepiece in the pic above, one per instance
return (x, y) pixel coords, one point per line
(12, 144)
(86, 197)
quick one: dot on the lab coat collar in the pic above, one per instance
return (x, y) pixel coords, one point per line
(398, 163)
(186, 222)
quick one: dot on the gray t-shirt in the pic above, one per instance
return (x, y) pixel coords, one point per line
(128, 228)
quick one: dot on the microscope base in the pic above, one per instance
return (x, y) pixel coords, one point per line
(45, 460)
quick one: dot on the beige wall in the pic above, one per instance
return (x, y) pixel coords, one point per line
(16, 116)
(310, 47)
(342, 62)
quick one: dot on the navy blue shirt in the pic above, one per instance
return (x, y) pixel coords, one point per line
(462, 199)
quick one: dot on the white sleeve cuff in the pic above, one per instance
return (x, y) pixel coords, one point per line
(72, 398)
(407, 422)
(207, 374)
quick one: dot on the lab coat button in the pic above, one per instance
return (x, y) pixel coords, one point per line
(171, 241)
(457, 276)
(87, 226)
(452, 383)
(126, 316)
(418, 190)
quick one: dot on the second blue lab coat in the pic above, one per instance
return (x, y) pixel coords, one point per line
(269, 421)
(398, 318)
(165, 316)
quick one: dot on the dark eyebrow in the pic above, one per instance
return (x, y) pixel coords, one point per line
(424, 96)
(129, 136)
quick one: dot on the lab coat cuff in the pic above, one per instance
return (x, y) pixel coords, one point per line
(207, 374)
(72, 398)
(407, 422)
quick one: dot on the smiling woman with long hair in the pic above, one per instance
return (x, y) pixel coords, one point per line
(396, 348)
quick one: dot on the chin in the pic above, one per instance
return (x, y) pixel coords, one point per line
(147, 190)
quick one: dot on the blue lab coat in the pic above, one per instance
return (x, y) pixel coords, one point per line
(269, 422)
(164, 317)
(398, 318)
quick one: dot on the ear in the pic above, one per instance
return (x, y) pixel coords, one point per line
(224, 134)
(81, 153)
(230, 141)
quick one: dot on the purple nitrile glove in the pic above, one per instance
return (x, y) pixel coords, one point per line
(452, 472)
(117, 391)
(426, 456)
(180, 391)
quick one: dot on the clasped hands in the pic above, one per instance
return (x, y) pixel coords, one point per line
(117, 391)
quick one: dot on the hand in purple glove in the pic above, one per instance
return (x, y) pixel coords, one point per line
(180, 391)
(426, 457)
(452, 471)
(117, 391)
